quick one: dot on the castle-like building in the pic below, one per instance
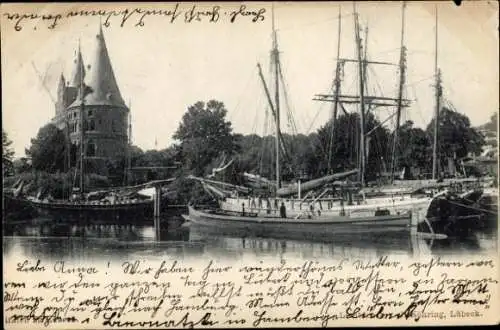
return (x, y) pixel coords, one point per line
(105, 115)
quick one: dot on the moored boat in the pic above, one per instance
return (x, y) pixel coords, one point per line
(349, 222)
(80, 209)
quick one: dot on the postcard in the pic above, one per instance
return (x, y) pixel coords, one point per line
(249, 164)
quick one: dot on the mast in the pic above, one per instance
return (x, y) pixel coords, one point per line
(365, 63)
(435, 146)
(129, 146)
(337, 91)
(275, 60)
(68, 158)
(402, 77)
(82, 129)
(361, 97)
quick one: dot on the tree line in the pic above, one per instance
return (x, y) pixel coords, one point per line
(205, 140)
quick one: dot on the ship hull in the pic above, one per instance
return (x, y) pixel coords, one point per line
(318, 225)
(330, 208)
(138, 212)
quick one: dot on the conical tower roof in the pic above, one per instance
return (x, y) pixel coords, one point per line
(62, 81)
(102, 81)
(78, 74)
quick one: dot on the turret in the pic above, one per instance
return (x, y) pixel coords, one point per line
(78, 73)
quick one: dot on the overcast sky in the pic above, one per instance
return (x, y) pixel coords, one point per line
(162, 67)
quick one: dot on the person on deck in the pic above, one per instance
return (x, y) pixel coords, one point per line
(252, 204)
(283, 210)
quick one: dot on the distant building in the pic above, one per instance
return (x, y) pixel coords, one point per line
(105, 113)
(487, 162)
(490, 137)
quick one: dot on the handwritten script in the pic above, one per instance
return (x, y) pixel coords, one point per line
(138, 16)
(172, 293)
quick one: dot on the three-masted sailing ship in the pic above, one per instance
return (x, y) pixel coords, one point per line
(340, 204)
(325, 211)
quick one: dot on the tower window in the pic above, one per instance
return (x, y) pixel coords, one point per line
(92, 125)
(89, 113)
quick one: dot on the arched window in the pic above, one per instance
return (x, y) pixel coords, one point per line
(91, 149)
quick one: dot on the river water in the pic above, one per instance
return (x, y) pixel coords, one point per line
(181, 241)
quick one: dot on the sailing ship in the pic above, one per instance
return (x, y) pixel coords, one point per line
(335, 208)
(350, 222)
(129, 202)
(122, 203)
(341, 202)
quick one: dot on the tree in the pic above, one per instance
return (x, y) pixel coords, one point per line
(344, 149)
(414, 147)
(456, 137)
(204, 134)
(492, 124)
(7, 155)
(21, 165)
(47, 150)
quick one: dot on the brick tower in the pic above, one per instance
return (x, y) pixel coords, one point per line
(105, 115)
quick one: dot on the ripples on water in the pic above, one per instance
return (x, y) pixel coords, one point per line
(113, 242)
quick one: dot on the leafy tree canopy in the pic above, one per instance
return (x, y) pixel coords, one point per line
(344, 145)
(414, 147)
(7, 155)
(204, 134)
(456, 136)
(47, 149)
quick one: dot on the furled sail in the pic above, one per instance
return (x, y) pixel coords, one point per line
(214, 191)
(221, 168)
(220, 183)
(257, 180)
(313, 184)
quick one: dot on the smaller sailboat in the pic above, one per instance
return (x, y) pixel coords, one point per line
(121, 203)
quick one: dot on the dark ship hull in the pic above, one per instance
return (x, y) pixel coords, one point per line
(455, 215)
(16, 209)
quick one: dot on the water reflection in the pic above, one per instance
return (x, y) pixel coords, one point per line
(52, 241)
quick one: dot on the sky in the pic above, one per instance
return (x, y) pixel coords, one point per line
(163, 67)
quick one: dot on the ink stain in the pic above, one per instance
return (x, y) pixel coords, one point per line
(457, 2)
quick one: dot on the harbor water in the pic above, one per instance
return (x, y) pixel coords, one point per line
(178, 239)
